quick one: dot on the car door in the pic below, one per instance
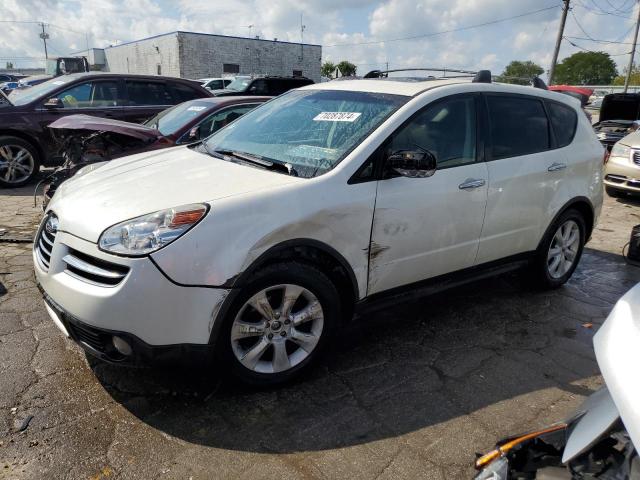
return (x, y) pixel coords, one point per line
(100, 98)
(425, 227)
(523, 174)
(146, 98)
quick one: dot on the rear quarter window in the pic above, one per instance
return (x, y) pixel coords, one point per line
(182, 93)
(564, 121)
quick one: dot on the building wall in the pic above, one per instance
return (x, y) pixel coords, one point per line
(143, 57)
(204, 55)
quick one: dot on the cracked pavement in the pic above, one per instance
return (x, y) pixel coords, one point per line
(411, 391)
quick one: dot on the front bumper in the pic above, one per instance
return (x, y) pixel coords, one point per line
(623, 174)
(144, 305)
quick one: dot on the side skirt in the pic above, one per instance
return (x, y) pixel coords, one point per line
(440, 283)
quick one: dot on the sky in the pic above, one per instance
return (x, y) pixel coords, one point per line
(366, 32)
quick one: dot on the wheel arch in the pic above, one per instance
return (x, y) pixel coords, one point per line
(303, 250)
(582, 205)
(8, 132)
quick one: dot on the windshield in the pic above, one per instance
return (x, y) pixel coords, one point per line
(27, 95)
(240, 84)
(173, 119)
(311, 130)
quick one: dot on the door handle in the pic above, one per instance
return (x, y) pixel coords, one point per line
(555, 166)
(471, 183)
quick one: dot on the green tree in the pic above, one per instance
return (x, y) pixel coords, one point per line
(520, 72)
(328, 69)
(586, 68)
(9, 65)
(347, 69)
(634, 79)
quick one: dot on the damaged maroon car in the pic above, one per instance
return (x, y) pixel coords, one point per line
(86, 140)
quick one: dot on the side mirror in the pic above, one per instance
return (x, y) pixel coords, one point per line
(53, 103)
(194, 133)
(412, 163)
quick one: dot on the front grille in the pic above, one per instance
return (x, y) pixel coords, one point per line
(86, 335)
(636, 157)
(45, 240)
(94, 270)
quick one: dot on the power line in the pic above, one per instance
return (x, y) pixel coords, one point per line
(592, 51)
(433, 34)
(600, 11)
(597, 40)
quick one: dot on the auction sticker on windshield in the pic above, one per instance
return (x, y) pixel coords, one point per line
(196, 108)
(337, 117)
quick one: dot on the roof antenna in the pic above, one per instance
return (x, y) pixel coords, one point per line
(483, 76)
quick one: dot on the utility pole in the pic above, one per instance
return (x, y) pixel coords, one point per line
(556, 51)
(44, 36)
(633, 53)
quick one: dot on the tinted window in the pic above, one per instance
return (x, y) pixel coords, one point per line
(222, 118)
(447, 129)
(148, 93)
(182, 93)
(519, 126)
(90, 95)
(563, 121)
(259, 87)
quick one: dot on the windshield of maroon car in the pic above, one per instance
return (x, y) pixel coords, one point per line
(175, 118)
(28, 95)
(311, 130)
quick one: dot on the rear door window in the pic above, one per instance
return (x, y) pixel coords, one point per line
(519, 126)
(564, 121)
(182, 93)
(148, 93)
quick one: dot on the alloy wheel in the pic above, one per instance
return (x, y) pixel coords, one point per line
(16, 163)
(277, 328)
(563, 249)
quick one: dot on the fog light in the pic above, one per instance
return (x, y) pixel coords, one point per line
(122, 346)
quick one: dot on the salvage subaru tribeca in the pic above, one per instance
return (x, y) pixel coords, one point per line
(253, 246)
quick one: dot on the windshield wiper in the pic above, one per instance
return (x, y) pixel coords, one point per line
(260, 161)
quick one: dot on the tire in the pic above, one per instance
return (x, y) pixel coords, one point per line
(19, 162)
(613, 192)
(252, 340)
(546, 272)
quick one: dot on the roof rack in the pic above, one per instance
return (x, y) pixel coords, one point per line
(481, 76)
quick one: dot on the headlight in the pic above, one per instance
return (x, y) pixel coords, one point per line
(620, 150)
(148, 233)
(498, 470)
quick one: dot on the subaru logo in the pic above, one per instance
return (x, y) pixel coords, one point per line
(52, 225)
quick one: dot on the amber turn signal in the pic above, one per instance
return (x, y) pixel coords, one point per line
(486, 459)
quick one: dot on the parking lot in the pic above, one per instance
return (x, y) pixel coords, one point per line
(409, 392)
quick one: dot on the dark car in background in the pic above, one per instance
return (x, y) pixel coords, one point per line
(619, 116)
(25, 140)
(86, 140)
(271, 86)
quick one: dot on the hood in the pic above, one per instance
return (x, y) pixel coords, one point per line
(620, 106)
(617, 347)
(140, 184)
(87, 122)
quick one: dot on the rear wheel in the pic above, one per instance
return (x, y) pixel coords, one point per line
(19, 162)
(560, 251)
(279, 324)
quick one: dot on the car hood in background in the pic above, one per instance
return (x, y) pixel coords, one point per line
(620, 106)
(617, 347)
(88, 122)
(147, 182)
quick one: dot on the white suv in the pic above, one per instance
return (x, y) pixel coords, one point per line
(253, 246)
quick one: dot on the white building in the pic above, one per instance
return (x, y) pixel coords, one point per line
(200, 55)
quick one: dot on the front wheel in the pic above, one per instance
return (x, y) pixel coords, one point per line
(279, 324)
(560, 250)
(19, 162)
